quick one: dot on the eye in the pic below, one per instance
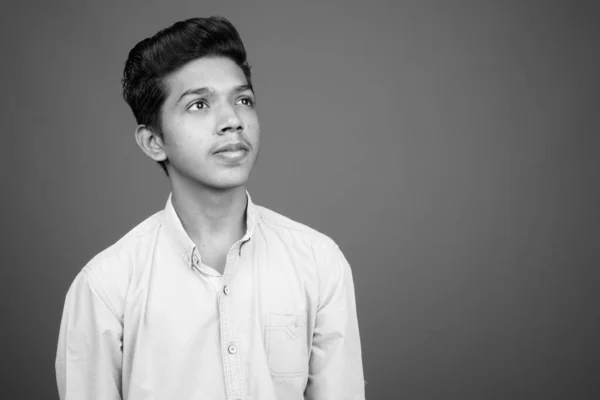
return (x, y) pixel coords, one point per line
(246, 101)
(198, 105)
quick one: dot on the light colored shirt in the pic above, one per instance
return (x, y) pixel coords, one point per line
(146, 319)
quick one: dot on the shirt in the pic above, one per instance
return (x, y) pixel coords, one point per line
(146, 319)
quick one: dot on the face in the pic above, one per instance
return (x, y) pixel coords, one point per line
(209, 123)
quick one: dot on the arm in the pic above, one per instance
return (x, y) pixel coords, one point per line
(89, 353)
(335, 369)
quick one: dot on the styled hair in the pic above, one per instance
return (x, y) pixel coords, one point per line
(153, 59)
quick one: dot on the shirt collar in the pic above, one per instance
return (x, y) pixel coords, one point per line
(185, 246)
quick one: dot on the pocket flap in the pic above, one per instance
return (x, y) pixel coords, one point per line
(285, 336)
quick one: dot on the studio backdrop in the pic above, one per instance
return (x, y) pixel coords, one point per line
(450, 148)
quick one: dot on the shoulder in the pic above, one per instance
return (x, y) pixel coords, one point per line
(109, 272)
(290, 228)
(323, 250)
(330, 265)
(125, 251)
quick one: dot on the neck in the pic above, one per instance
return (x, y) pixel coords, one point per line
(208, 214)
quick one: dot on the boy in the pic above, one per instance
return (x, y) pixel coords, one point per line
(213, 297)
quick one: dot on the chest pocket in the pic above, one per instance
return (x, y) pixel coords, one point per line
(286, 345)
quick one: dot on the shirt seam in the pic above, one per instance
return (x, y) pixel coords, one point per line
(332, 249)
(100, 293)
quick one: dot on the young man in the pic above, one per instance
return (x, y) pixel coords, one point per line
(213, 297)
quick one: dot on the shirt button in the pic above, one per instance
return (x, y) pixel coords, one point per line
(195, 259)
(226, 289)
(232, 349)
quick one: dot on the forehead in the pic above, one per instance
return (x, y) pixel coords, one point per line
(218, 73)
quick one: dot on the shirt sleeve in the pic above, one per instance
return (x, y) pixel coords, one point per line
(335, 368)
(89, 351)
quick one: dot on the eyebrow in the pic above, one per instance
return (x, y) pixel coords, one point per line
(205, 90)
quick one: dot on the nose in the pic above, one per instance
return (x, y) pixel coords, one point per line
(230, 121)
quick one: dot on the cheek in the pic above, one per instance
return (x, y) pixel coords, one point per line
(187, 148)
(253, 128)
(253, 135)
(188, 136)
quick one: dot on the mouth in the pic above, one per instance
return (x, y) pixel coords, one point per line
(232, 148)
(232, 152)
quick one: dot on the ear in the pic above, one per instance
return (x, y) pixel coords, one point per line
(150, 143)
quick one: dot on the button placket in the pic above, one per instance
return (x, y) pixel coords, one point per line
(232, 361)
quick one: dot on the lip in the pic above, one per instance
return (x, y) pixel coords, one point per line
(232, 147)
(232, 157)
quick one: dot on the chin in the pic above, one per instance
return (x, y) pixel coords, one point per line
(225, 187)
(215, 178)
(229, 182)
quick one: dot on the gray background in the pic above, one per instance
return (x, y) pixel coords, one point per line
(451, 148)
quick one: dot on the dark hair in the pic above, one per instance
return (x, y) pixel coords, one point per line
(152, 59)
